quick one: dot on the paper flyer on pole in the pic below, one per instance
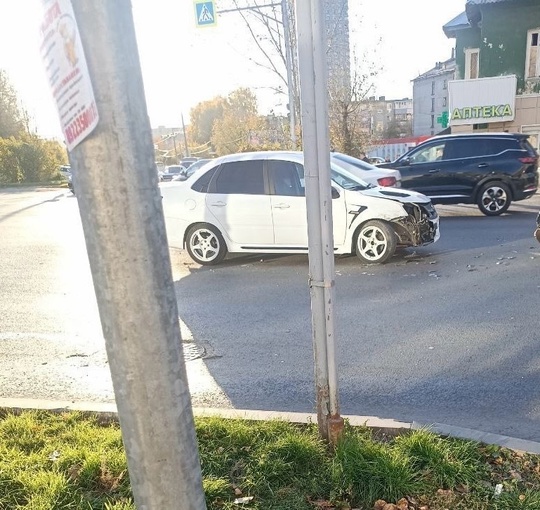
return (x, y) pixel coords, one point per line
(67, 71)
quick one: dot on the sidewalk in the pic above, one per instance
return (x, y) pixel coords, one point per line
(391, 426)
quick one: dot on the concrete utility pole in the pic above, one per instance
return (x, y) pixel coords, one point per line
(314, 105)
(123, 223)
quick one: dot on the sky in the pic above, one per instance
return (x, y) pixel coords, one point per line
(183, 65)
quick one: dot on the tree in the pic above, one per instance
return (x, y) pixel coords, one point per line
(348, 133)
(347, 87)
(265, 26)
(234, 131)
(203, 116)
(30, 158)
(13, 120)
(398, 128)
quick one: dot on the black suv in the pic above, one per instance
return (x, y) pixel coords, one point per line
(488, 169)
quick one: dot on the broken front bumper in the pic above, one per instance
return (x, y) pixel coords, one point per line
(420, 227)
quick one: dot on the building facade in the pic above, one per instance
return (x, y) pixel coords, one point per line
(336, 14)
(497, 48)
(430, 98)
(386, 118)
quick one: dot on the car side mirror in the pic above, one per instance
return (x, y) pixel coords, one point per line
(405, 162)
(335, 193)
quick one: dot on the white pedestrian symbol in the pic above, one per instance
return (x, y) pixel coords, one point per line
(206, 15)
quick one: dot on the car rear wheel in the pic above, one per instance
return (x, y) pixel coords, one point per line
(376, 242)
(205, 244)
(494, 198)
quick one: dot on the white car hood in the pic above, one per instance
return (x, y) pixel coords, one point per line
(398, 194)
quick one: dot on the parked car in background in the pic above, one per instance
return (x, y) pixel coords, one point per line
(70, 183)
(171, 171)
(375, 160)
(187, 162)
(491, 170)
(182, 176)
(367, 171)
(66, 172)
(255, 203)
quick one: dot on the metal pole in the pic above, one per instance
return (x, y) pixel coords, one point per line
(173, 134)
(185, 136)
(289, 64)
(314, 105)
(122, 217)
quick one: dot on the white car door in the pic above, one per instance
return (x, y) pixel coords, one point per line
(288, 203)
(289, 213)
(239, 205)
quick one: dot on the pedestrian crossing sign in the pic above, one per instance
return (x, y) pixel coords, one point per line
(205, 13)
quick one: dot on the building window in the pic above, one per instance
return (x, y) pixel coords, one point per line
(432, 104)
(471, 63)
(532, 64)
(444, 102)
(432, 88)
(445, 84)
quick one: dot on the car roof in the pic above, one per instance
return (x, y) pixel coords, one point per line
(456, 136)
(261, 155)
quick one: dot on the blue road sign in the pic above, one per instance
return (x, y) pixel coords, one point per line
(205, 13)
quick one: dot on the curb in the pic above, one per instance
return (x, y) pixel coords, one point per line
(386, 425)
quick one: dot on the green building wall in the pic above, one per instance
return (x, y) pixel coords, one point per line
(502, 39)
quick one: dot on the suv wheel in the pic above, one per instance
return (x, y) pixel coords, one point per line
(376, 242)
(205, 244)
(494, 198)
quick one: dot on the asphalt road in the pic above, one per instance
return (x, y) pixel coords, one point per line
(445, 333)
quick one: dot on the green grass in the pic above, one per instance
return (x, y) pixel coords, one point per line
(77, 461)
(53, 183)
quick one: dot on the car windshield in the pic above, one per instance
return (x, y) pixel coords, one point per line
(342, 176)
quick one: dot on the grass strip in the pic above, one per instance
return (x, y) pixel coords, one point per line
(77, 460)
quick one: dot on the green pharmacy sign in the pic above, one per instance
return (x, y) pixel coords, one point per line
(482, 112)
(443, 119)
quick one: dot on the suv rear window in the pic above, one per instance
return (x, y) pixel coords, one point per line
(477, 147)
(526, 145)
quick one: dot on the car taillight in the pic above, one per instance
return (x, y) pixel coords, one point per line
(528, 160)
(387, 181)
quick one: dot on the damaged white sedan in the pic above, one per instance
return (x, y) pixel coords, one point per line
(255, 203)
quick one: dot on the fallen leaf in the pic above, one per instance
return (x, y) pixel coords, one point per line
(379, 504)
(390, 506)
(445, 493)
(237, 491)
(73, 471)
(516, 475)
(402, 504)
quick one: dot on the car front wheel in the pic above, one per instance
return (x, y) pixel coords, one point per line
(205, 245)
(494, 198)
(376, 242)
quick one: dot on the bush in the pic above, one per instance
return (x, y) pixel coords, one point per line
(29, 158)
